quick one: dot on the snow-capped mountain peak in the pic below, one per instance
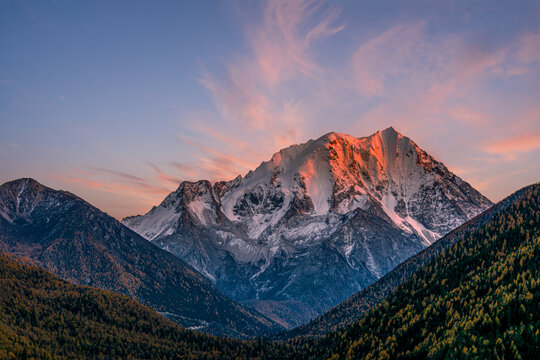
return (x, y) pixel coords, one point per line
(336, 172)
(361, 205)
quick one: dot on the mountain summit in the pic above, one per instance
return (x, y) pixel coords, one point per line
(315, 223)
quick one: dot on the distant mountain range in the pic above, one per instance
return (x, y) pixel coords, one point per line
(315, 224)
(72, 239)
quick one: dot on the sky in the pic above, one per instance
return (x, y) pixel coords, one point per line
(120, 101)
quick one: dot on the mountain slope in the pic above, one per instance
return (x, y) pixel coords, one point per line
(477, 299)
(360, 303)
(67, 236)
(353, 207)
(43, 317)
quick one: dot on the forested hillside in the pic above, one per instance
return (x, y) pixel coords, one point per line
(356, 306)
(74, 240)
(44, 317)
(479, 299)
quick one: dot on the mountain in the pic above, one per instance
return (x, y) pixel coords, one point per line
(74, 240)
(476, 300)
(44, 317)
(356, 306)
(316, 223)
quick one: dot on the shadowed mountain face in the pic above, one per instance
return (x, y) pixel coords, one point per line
(316, 223)
(74, 240)
(478, 299)
(355, 307)
(44, 317)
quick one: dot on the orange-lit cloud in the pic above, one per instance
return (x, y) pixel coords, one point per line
(122, 188)
(433, 82)
(118, 174)
(118, 183)
(272, 95)
(187, 170)
(514, 145)
(163, 177)
(469, 116)
(281, 45)
(213, 164)
(428, 85)
(463, 86)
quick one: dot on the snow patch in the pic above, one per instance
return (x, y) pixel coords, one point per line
(201, 210)
(23, 187)
(316, 176)
(160, 221)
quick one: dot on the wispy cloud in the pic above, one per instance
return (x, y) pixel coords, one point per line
(120, 197)
(468, 116)
(273, 94)
(407, 75)
(213, 164)
(112, 181)
(510, 147)
(441, 82)
(118, 174)
(163, 177)
(281, 45)
(461, 79)
(260, 92)
(188, 171)
(405, 62)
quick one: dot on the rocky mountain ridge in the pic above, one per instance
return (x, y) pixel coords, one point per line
(79, 243)
(317, 222)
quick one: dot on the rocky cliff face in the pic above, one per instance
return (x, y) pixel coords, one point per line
(358, 305)
(317, 222)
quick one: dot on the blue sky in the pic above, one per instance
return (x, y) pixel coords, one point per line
(118, 101)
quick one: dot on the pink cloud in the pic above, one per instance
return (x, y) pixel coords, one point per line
(120, 199)
(403, 61)
(425, 82)
(164, 178)
(428, 84)
(529, 48)
(214, 164)
(111, 181)
(468, 116)
(115, 173)
(281, 45)
(260, 90)
(217, 153)
(188, 171)
(514, 145)
(458, 69)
